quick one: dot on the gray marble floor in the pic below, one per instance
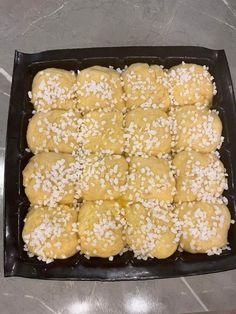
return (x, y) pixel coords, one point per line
(32, 26)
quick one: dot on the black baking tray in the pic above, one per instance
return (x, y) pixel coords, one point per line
(125, 267)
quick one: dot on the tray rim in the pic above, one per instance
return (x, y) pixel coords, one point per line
(14, 267)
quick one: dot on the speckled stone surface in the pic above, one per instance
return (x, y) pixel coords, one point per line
(32, 26)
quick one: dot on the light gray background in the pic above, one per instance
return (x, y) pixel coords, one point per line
(32, 26)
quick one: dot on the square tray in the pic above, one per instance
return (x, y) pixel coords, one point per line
(125, 267)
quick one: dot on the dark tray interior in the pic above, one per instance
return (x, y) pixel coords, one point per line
(125, 267)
